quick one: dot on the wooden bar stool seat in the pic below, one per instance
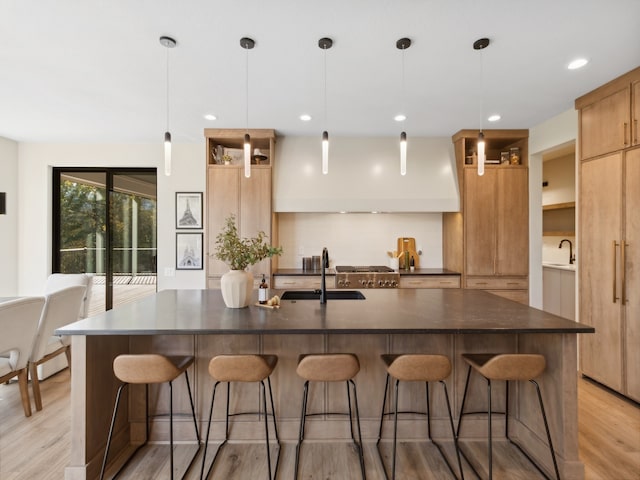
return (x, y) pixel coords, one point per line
(242, 368)
(151, 369)
(507, 367)
(416, 368)
(330, 367)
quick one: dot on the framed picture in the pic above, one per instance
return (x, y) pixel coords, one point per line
(189, 251)
(188, 210)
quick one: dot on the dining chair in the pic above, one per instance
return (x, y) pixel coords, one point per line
(61, 308)
(18, 323)
(55, 282)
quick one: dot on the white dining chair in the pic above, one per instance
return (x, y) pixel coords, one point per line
(58, 281)
(18, 324)
(61, 308)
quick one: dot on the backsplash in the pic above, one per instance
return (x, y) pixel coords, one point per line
(552, 254)
(358, 238)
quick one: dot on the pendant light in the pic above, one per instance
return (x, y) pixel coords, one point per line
(481, 44)
(325, 43)
(168, 43)
(247, 44)
(402, 45)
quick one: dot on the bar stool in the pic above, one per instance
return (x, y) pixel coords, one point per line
(416, 368)
(329, 367)
(242, 368)
(507, 367)
(148, 369)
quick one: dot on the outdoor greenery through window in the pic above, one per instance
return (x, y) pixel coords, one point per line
(82, 241)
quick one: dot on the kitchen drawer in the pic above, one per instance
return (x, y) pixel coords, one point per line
(498, 283)
(284, 282)
(520, 296)
(429, 281)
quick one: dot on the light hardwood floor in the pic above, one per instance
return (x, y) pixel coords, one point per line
(38, 447)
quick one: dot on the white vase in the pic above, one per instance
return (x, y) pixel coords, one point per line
(237, 288)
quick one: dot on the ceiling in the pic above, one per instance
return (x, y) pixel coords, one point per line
(94, 70)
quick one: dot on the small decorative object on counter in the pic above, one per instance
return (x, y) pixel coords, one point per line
(412, 264)
(514, 155)
(239, 253)
(406, 260)
(263, 291)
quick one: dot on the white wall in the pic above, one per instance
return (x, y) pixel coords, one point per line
(358, 238)
(560, 173)
(553, 133)
(35, 192)
(9, 222)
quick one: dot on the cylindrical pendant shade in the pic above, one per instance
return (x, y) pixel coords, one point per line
(481, 156)
(325, 152)
(167, 153)
(403, 153)
(247, 155)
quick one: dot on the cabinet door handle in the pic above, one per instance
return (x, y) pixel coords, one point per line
(625, 134)
(615, 272)
(635, 131)
(624, 271)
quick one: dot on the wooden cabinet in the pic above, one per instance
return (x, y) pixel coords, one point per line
(609, 255)
(230, 192)
(608, 116)
(488, 241)
(429, 281)
(609, 259)
(559, 292)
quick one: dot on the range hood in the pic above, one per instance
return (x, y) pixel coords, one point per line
(364, 175)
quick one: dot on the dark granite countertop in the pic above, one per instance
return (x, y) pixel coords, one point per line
(331, 271)
(401, 311)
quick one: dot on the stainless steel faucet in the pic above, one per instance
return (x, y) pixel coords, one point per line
(572, 257)
(323, 283)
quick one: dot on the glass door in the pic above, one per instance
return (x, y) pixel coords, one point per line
(104, 223)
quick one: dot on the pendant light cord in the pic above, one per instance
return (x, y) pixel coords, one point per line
(481, 87)
(247, 88)
(402, 91)
(167, 89)
(325, 88)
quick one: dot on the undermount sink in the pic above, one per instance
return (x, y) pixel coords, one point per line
(315, 295)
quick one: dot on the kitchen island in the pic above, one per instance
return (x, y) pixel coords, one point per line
(447, 321)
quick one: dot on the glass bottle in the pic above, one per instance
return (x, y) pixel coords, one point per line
(263, 291)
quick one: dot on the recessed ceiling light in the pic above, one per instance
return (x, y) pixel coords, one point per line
(305, 117)
(400, 117)
(210, 116)
(577, 63)
(494, 118)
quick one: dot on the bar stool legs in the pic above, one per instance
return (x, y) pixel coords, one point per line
(146, 369)
(330, 368)
(504, 367)
(416, 367)
(243, 368)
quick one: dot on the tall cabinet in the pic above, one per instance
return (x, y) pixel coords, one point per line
(488, 240)
(609, 233)
(230, 192)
